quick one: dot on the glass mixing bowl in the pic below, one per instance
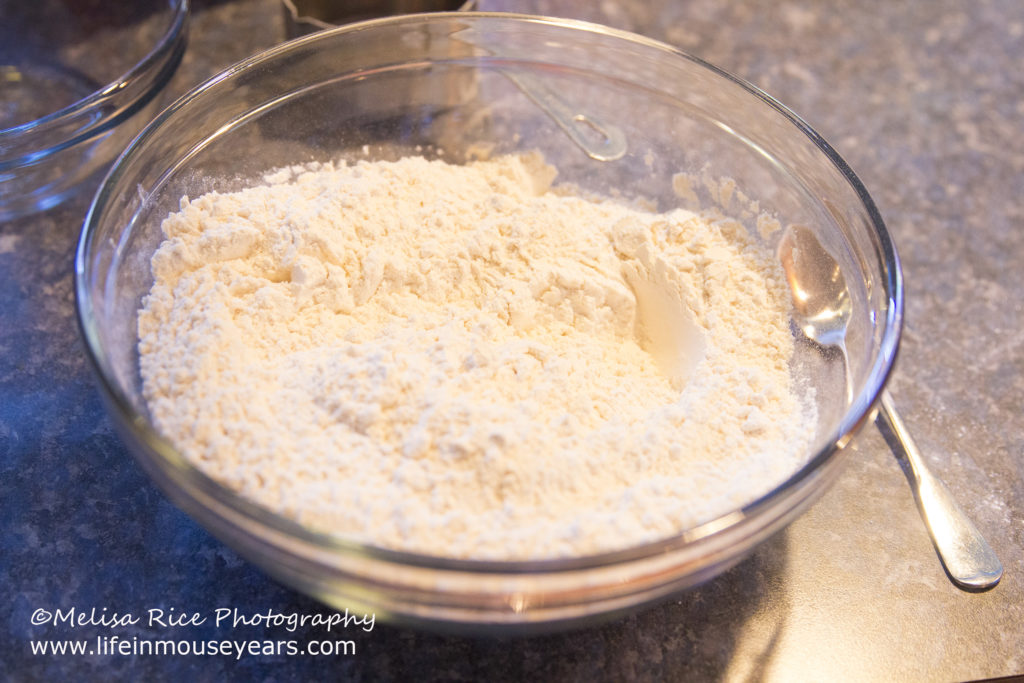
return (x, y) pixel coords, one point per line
(462, 83)
(78, 81)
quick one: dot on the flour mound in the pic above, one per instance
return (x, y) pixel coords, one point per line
(463, 361)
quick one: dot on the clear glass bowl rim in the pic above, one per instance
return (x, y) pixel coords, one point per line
(860, 410)
(123, 88)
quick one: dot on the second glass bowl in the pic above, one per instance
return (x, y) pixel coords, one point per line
(77, 83)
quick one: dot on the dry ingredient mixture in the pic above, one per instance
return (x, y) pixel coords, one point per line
(462, 360)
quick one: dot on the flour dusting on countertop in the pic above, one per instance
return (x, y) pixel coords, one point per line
(469, 362)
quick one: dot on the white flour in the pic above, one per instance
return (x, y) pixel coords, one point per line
(459, 361)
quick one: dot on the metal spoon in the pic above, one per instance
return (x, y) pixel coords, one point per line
(823, 308)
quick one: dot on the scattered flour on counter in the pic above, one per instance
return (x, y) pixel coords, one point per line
(465, 361)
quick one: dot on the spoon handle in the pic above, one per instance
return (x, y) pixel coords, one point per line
(600, 140)
(967, 557)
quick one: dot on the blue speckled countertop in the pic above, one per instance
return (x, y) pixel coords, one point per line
(926, 102)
